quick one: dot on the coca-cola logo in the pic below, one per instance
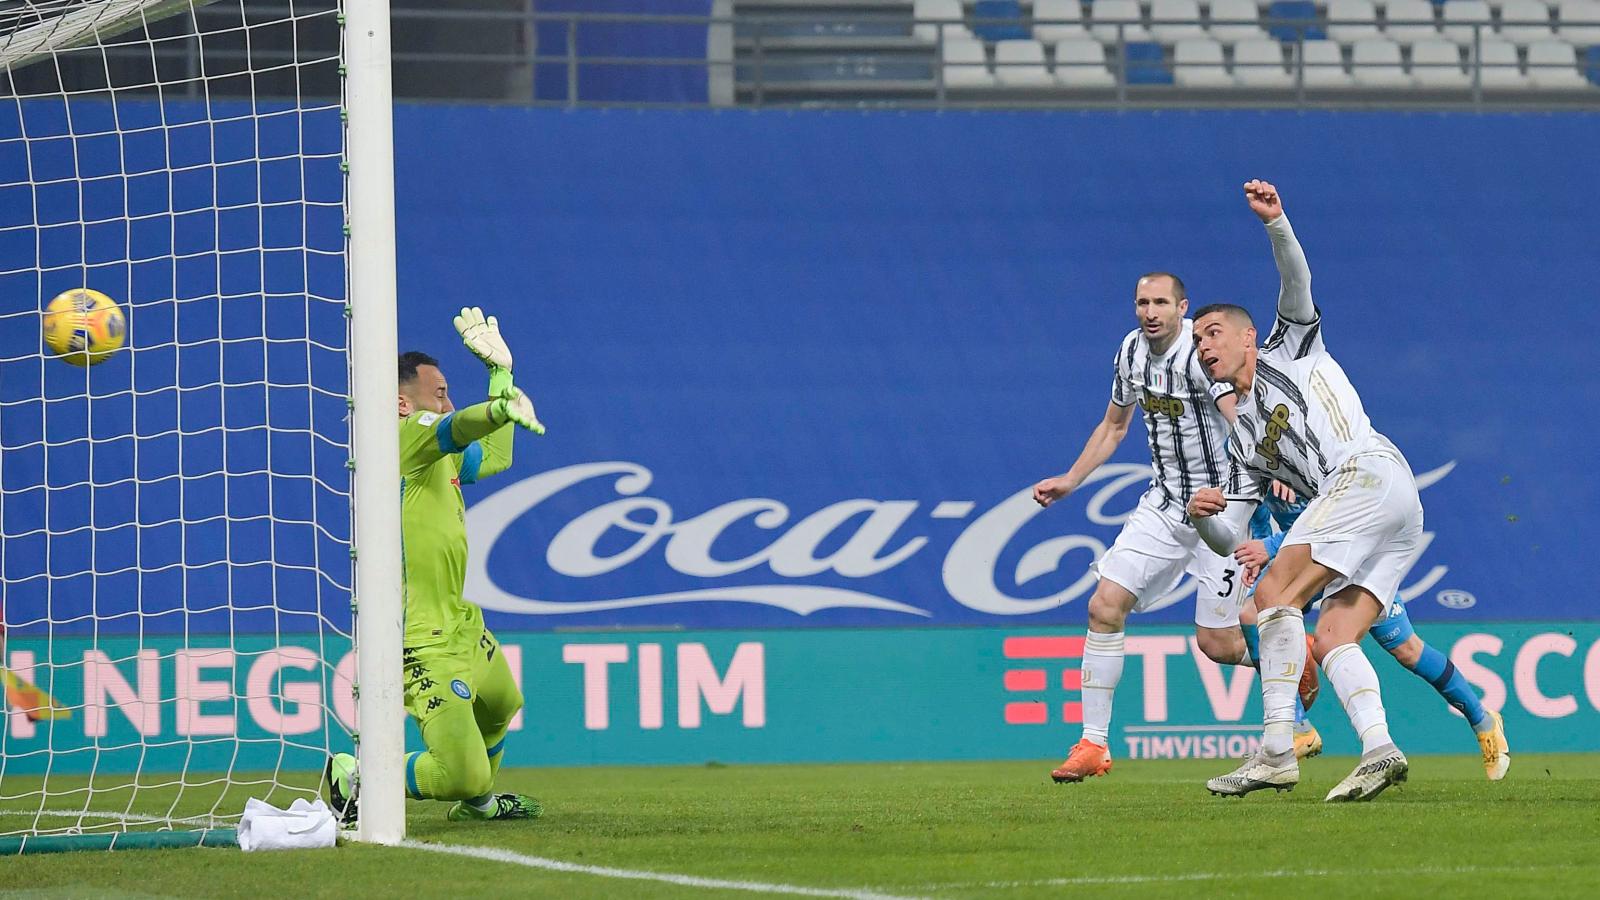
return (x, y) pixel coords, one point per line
(877, 543)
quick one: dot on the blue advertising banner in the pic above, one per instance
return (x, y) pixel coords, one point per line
(800, 370)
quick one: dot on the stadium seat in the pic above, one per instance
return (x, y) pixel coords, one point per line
(1585, 16)
(1126, 12)
(1460, 17)
(1235, 20)
(1145, 64)
(1324, 65)
(1352, 20)
(929, 13)
(1375, 63)
(1500, 67)
(1081, 63)
(1197, 62)
(1408, 21)
(1592, 65)
(1174, 20)
(1020, 63)
(1436, 64)
(966, 64)
(1553, 65)
(998, 20)
(1522, 22)
(1259, 63)
(1288, 20)
(1066, 16)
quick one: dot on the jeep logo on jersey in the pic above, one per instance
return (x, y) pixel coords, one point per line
(637, 539)
(1275, 427)
(1162, 406)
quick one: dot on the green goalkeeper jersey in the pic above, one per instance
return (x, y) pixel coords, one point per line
(437, 456)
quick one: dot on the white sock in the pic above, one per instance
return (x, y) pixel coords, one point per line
(1283, 655)
(1102, 669)
(484, 803)
(1356, 683)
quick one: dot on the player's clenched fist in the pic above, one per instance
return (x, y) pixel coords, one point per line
(1207, 502)
(1263, 198)
(1049, 490)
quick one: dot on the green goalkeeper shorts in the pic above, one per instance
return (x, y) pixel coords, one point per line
(450, 672)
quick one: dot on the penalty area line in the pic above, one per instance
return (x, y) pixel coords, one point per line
(495, 854)
(1176, 878)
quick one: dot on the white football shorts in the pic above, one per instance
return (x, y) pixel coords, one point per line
(1154, 551)
(1366, 525)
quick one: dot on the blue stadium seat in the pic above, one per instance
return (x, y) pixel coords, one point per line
(1286, 16)
(1146, 64)
(1591, 65)
(999, 9)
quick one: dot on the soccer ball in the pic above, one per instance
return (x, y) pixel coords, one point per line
(84, 327)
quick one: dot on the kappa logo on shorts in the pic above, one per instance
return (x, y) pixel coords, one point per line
(461, 689)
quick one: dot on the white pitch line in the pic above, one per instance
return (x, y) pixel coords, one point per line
(693, 881)
(135, 818)
(1091, 880)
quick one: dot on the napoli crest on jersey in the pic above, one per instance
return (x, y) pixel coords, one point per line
(461, 689)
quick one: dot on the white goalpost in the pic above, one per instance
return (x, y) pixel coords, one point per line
(200, 593)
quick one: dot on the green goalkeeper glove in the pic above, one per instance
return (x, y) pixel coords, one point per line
(514, 406)
(482, 337)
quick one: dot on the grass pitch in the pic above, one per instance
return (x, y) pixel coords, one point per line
(934, 830)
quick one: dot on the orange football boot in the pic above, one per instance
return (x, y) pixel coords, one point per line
(1309, 685)
(1086, 760)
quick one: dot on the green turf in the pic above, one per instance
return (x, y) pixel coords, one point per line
(936, 829)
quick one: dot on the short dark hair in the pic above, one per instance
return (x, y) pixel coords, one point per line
(410, 360)
(1231, 310)
(1178, 291)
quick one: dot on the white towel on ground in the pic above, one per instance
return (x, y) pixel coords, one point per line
(303, 825)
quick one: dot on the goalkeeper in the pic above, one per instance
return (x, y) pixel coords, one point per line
(458, 687)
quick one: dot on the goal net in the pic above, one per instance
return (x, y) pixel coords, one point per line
(176, 522)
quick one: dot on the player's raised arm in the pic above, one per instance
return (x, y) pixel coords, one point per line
(1294, 273)
(1103, 441)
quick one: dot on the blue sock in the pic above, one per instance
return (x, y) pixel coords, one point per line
(1252, 643)
(1299, 711)
(1434, 668)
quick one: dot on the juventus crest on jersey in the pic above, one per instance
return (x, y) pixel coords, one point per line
(1188, 437)
(1302, 418)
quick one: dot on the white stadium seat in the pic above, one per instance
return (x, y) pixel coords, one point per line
(1500, 68)
(1324, 65)
(1235, 20)
(1126, 12)
(1081, 63)
(930, 13)
(1065, 18)
(1460, 17)
(1415, 18)
(1375, 62)
(1020, 63)
(1553, 65)
(1351, 20)
(1259, 63)
(1522, 22)
(965, 64)
(1437, 64)
(1585, 16)
(1197, 62)
(1175, 20)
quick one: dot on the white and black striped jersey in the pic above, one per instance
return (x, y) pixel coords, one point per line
(1302, 418)
(1188, 437)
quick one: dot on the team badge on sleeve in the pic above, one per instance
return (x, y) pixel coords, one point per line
(461, 689)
